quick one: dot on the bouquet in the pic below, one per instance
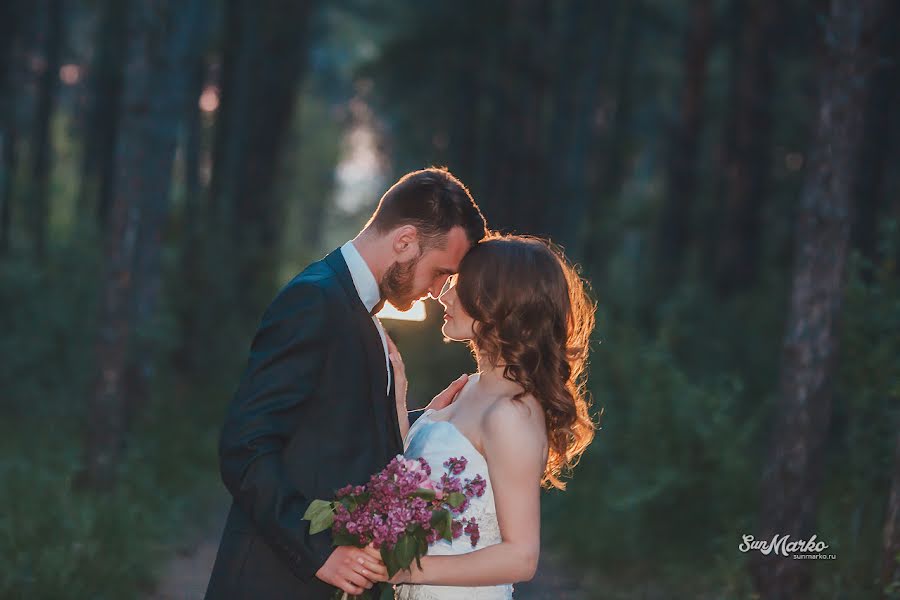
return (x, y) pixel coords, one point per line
(400, 511)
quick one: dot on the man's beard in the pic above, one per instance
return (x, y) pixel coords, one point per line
(397, 284)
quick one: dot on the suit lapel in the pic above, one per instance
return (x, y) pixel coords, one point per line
(371, 339)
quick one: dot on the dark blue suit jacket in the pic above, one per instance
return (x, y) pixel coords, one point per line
(310, 416)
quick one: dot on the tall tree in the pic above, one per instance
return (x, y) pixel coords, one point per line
(102, 122)
(265, 59)
(586, 42)
(613, 157)
(791, 480)
(890, 562)
(161, 34)
(684, 147)
(41, 142)
(747, 150)
(193, 247)
(878, 145)
(516, 188)
(174, 83)
(10, 22)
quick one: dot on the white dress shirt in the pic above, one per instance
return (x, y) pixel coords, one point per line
(367, 288)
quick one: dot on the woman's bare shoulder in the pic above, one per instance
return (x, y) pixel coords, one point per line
(508, 414)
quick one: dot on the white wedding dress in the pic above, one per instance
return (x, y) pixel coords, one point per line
(436, 441)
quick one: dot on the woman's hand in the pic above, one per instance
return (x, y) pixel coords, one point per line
(400, 386)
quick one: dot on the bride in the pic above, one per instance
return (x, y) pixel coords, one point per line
(521, 421)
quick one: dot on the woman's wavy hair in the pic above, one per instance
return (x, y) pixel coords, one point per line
(534, 317)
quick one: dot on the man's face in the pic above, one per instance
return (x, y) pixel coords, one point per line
(405, 282)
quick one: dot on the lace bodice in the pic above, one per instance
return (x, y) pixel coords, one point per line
(437, 440)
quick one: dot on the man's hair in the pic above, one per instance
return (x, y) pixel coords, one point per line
(433, 201)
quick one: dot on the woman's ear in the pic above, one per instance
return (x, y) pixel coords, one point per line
(406, 242)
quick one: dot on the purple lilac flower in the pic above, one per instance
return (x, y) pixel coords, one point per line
(472, 531)
(385, 508)
(456, 465)
(475, 487)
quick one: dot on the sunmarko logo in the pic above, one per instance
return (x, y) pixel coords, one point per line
(781, 544)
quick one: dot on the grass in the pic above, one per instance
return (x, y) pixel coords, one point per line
(56, 543)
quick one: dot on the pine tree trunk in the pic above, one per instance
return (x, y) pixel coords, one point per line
(877, 143)
(516, 188)
(193, 248)
(41, 142)
(613, 159)
(747, 161)
(684, 148)
(890, 568)
(173, 84)
(105, 98)
(586, 40)
(161, 35)
(265, 62)
(10, 20)
(791, 480)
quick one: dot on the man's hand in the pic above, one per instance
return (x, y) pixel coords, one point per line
(353, 570)
(447, 397)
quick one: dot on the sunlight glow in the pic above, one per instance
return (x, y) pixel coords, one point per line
(70, 74)
(416, 313)
(209, 99)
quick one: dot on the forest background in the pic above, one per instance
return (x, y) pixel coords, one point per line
(725, 173)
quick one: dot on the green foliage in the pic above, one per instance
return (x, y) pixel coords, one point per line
(865, 421)
(57, 543)
(48, 321)
(672, 464)
(442, 521)
(320, 515)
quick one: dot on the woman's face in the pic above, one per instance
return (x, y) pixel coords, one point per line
(458, 325)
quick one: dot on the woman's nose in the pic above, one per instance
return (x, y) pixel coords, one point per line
(446, 297)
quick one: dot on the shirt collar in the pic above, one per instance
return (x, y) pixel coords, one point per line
(363, 279)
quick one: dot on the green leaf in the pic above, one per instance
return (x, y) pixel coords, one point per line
(405, 550)
(390, 561)
(442, 522)
(456, 499)
(424, 494)
(320, 515)
(421, 549)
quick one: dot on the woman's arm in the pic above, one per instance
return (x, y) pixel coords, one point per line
(516, 450)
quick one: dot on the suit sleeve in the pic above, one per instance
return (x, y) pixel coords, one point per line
(286, 359)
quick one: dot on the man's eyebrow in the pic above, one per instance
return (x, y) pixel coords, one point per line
(445, 271)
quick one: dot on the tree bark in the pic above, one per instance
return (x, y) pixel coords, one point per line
(174, 82)
(105, 97)
(791, 481)
(161, 35)
(41, 142)
(587, 37)
(890, 568)
(878, 145)
(516, 187)
(10, 21)
(615, 154)
(746, 163)
(684, 147)
(265, 60)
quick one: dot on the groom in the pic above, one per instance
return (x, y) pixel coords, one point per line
(315, 408)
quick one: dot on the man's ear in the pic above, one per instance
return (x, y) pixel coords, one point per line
(405, 240)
